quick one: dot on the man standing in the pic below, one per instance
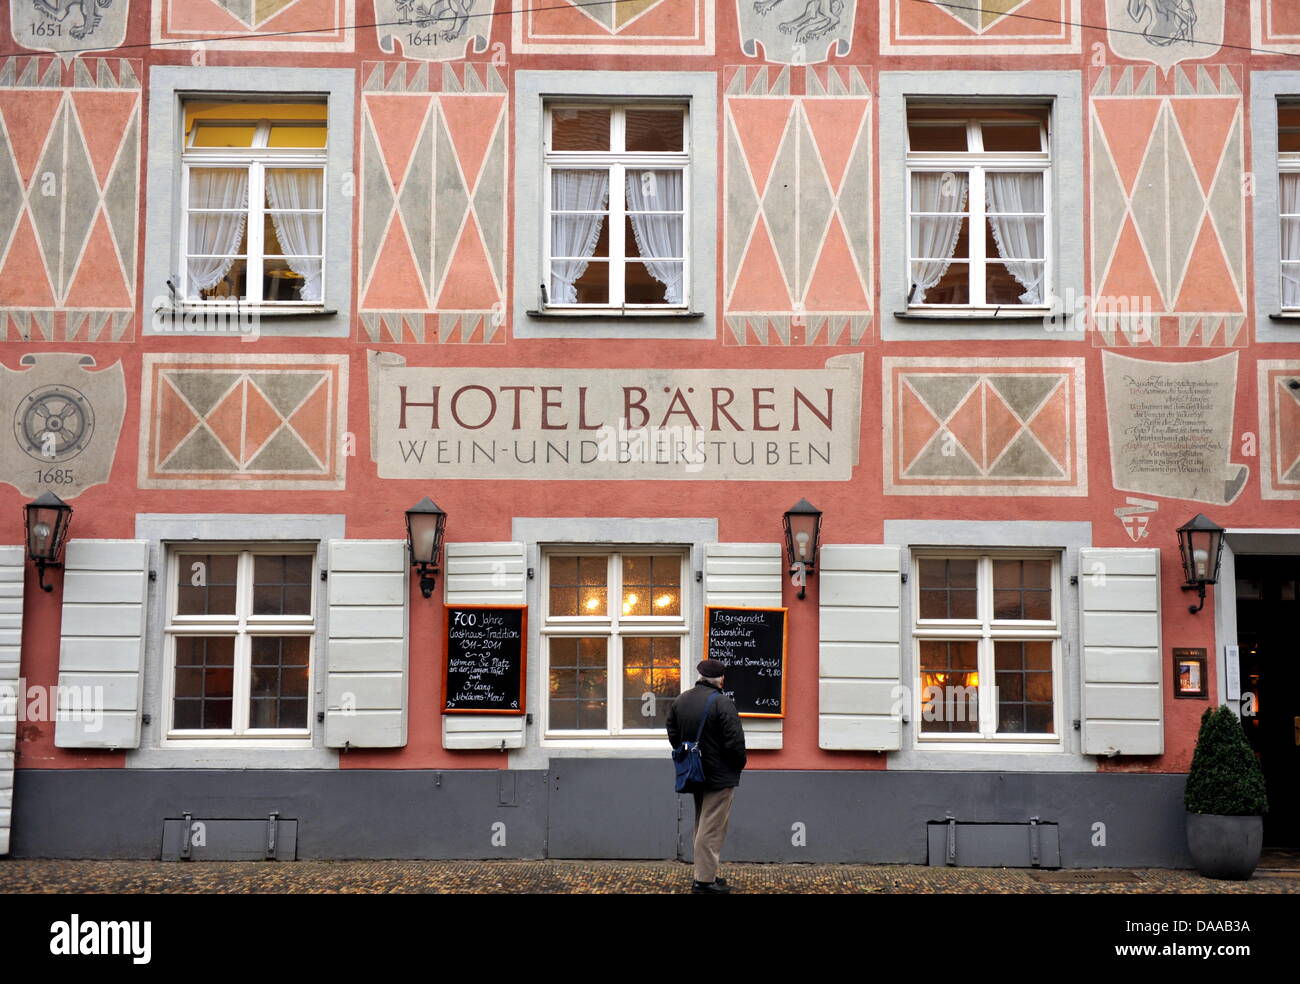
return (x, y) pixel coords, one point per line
(722, 752)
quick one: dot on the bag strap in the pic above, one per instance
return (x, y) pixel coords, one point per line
(707, 704)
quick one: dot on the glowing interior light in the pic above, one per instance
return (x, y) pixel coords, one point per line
(801, 540)
(1201, 560)
(593, 604)
(41, 531)
(663, 601)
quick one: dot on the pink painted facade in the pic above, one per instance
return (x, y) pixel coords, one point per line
(1168, 184)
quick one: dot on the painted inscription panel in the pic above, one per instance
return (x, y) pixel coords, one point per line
(1171, 427)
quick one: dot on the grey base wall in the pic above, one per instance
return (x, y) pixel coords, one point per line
(587, 808)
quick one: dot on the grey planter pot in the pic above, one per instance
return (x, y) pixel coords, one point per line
(1225, 847)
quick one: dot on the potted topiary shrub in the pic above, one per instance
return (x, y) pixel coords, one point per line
(1225, 799)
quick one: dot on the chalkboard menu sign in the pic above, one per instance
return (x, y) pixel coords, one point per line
(751, 643)
(486, 659)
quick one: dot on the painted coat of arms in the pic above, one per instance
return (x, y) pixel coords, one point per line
(795, 32)
(63, 422)
(68, 25)
(1165, 31)
(433, 30)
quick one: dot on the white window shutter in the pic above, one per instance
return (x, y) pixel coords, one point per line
(742, 575)
(101, 650)
(1123, 686)
(485, 574)
(366, 650)
(860, 648)
(11, 637)
(745, 575)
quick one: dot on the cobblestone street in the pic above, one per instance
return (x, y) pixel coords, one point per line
(603, 877)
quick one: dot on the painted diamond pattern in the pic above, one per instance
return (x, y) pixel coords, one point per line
(69, 194)
(296, 25)
(979, 18)
(975, 427)
(797, 215)
(614, 17)
(1279, 411)
(650, 26)
(218, 422)
(994, 26)
(1168, 216)
(431, 262)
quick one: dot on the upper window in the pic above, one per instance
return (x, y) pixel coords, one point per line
(240, 635)
(1288, 147)
(253, 212)
(987, 636)
(979, 206)
(615, 641)
(616, 218)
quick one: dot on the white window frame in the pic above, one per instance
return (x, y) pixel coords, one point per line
(985, 631)
(243, 625)
(167, 313)
(977, 163)
(257, 158)
(613, 626)
(617, 161)
(1287, 163)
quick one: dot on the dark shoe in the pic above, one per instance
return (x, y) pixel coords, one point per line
(720, 880)
(718, 887)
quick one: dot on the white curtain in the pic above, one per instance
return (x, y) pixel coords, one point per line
(215, 232)
(935, 236)
(1291, 240)
(1019, 236)
(299, 232)
(658, 235)
(575, 235)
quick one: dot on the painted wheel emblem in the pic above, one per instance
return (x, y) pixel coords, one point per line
(54, 423)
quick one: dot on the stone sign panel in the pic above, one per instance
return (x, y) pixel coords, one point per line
(70, 26)
(602, 424)
(1171, 427)
(66, 417)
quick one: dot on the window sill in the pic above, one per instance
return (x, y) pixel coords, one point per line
(640, 744)
(1285, 316)
(1041, 315)
(613, 315)
(252, 311)
(1040, 747)
(233, 744)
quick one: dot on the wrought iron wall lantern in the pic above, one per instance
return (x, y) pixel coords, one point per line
(47, 519)
(1201, 544)
(803, 530)
(425, 524)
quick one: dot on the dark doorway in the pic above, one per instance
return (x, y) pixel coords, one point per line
(1268, 614)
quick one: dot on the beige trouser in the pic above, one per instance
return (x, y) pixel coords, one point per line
(712, 811)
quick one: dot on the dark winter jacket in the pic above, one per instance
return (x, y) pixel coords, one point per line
(722, 746)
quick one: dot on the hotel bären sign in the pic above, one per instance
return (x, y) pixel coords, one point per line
(601, 424)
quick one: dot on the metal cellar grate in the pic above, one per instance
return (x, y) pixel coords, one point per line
(1090, 876)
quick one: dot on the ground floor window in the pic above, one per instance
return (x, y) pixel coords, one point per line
(240, 641)
(986, 641)
(615, 639)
